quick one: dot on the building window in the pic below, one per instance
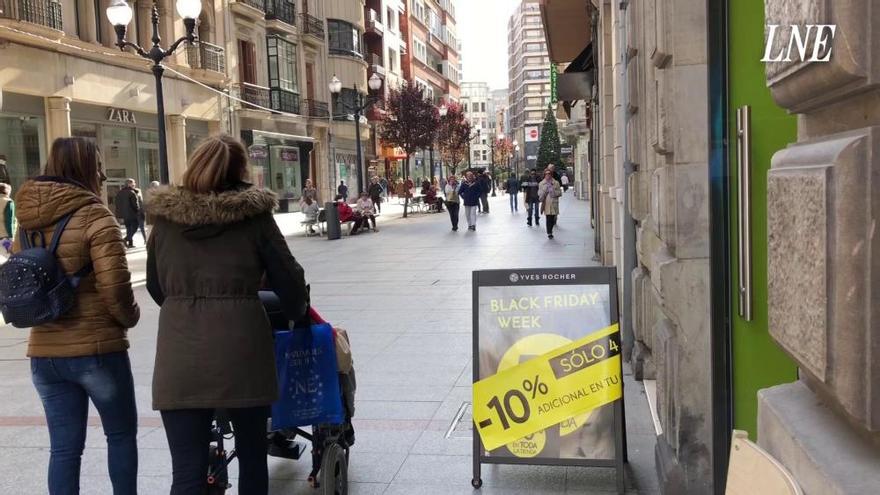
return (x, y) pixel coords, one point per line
(344, 103)
(483, 107)
(421, 50)
(282, 64)
(247, 68)
(418, 9)
(344, 38)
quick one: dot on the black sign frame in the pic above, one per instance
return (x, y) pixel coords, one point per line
(550, 276)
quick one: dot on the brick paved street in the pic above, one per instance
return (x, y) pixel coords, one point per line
(404, 295)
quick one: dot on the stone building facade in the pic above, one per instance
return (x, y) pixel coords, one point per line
(824, 254)
(86, 87)
(650, 126)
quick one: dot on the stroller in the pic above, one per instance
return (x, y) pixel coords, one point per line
(330, 443)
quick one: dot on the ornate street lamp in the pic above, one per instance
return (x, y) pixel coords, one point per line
(119, 14)
(374, 84)
(516, 156)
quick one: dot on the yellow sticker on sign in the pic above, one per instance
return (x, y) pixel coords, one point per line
(549, 389)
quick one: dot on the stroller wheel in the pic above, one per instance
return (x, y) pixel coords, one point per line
(334, 471)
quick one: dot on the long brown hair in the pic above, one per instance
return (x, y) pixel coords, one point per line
(76, 159)
(217, 163)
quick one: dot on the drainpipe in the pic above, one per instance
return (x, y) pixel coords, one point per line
(629, 225)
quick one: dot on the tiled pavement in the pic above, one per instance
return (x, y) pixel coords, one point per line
(404, 295)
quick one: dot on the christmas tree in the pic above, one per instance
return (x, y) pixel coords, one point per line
(549, 148)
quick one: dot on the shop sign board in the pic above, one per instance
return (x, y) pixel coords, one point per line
(258, 152)
(548, 381)
(121, 115)
(290, 154)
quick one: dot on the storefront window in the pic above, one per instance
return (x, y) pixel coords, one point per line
(286, 172)
(274, 163)
(21, 148)
(148, 157)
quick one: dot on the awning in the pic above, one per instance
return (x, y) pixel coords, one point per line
(567, 27)
(283, 137)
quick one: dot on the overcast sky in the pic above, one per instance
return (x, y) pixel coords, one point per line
(482, 28)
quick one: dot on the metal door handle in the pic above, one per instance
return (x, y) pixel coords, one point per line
(744, 214)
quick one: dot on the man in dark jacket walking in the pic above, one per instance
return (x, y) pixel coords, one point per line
(512, 188)
(342, 190)
(470, 192)
(128, 207)
(530, 188)
(375, 191)
(486, 183)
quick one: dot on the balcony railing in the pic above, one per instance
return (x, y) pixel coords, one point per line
(43, 12)
(251, 93)
(313, 26)
(257, 4)
(316, 108)
(204, 55)
(284, 100)
(282, 10)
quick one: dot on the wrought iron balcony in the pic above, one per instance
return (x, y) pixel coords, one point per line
(313, 26)
(43, 12)
(204, 55)
(283, 100)
(251, 93)
(318, 109)
(282, 10)
(257, 4)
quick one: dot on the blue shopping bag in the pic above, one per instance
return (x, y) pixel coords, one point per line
(307, 378)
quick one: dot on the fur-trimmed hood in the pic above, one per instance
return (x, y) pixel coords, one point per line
(185, 207)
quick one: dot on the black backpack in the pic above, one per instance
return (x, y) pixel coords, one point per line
(33, 287)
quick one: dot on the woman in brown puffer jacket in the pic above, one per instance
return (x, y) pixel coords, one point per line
(83, 355)
(213, 240)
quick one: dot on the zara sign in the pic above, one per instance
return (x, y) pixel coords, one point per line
(120, 115)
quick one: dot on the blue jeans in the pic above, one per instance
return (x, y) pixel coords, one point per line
(533, 210)
(514, 204)
(65, 386)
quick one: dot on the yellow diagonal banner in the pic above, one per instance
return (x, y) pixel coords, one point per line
(537, 394)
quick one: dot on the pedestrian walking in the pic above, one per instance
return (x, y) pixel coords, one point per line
(375, 191)
(549, 192)
(127, 205)
(384, 183)
(486, 184)
(9, 225)
(141, 215)
(82, 356)
(215, 347)
(453, 200)
(342, 190)
(564, 182)
(512, 187)
(471, 191)
(530, 193)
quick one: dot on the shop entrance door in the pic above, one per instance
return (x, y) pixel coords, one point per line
(757, 129)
